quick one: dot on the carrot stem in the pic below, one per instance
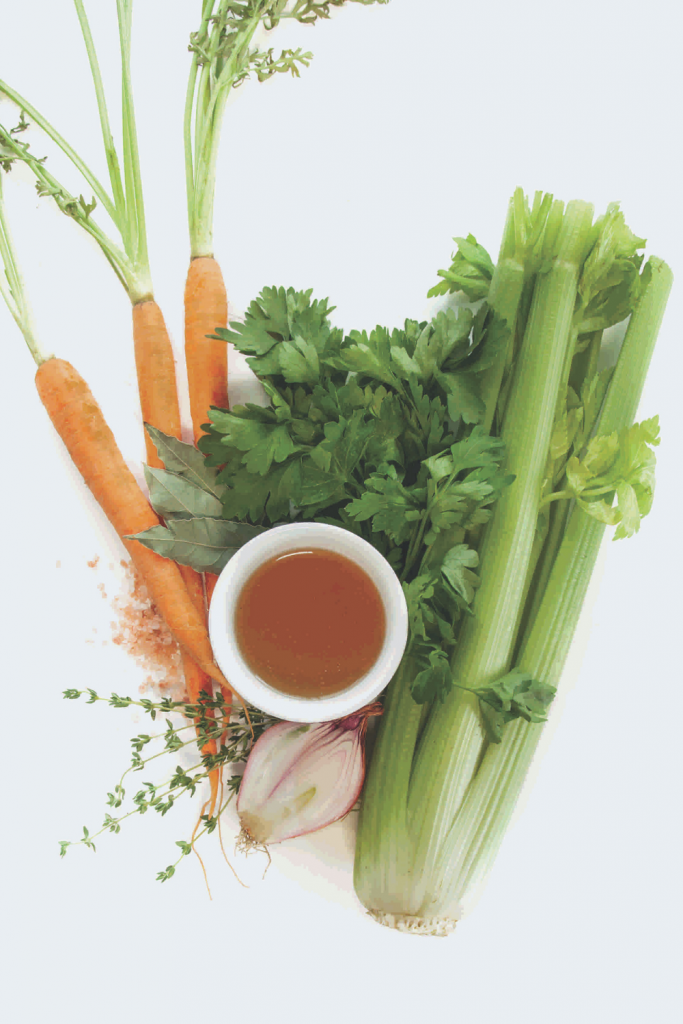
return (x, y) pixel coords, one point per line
(80, 165)
(12, 287)
(107, 137)
(130, 259)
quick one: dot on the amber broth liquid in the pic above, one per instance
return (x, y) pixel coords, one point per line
(310, 623)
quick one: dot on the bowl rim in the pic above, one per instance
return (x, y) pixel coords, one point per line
(269, 544)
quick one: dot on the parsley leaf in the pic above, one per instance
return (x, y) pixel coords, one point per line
(392, 507)
(433, 683)
(260, 436)
(286, 334)
(516, 695)
(457, 568)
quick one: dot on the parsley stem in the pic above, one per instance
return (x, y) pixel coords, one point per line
(415, 543)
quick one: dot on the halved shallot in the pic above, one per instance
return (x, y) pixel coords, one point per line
(302, 777)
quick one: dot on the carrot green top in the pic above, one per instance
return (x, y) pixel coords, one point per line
(223, 57)
(123, 202)
(12, 285)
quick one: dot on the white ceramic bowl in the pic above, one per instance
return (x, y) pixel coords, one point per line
(269, 545)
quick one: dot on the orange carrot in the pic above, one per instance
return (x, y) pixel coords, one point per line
(155, 367)
(206, 308)
(196, 680)
(91, 444)
(211, 580)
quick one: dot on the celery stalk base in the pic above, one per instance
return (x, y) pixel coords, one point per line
(436, 926)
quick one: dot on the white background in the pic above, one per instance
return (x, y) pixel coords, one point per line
(414, 123)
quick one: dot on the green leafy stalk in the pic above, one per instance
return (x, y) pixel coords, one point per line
(220, 56)
(486, 641)
(136, 234)
(119, 198)
(384, 846)
(578, 279)
(479, 826)
(518, 261)
(37, 118)
(503, 285)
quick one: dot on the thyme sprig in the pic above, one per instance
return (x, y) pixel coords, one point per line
(209, 718)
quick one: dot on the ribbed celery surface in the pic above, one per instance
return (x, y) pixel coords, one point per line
(439, 794)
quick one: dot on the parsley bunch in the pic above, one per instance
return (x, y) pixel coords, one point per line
(377, 432)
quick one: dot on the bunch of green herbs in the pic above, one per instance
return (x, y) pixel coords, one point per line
(376, 433)
(188, 727)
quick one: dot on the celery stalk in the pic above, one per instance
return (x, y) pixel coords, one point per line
(523, 231)
(439, 793)
(452, 741)
(439, 780)
(383, 847)
(467, 853)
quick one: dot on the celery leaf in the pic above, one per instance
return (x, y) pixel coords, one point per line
(470, 271)
(620, 464)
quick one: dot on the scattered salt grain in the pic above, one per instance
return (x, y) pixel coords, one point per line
(143, 634)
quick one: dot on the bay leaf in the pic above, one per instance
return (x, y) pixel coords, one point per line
(205, 544)
(184, 459)
(171, 493)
